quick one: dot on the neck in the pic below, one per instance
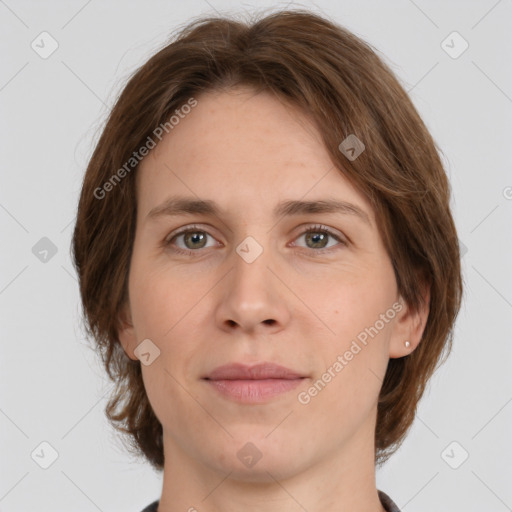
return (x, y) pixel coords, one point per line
(343, 481)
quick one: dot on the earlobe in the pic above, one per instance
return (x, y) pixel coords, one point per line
(409, 327)
(126, 333)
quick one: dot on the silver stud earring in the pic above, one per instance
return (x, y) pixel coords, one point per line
(407, 344)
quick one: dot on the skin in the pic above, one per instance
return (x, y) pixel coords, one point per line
(296, 305)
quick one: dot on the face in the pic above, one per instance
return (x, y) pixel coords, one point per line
(271, 304)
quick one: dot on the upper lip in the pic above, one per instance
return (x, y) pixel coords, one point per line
(238, 371)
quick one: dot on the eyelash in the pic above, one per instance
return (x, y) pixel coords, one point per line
(312, 229)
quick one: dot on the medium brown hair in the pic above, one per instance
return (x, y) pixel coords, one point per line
(345, 88)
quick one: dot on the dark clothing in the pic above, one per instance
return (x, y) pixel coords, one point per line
(152, 507)
(386, 501)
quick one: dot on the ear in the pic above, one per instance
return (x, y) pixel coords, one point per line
(409, 326)
(126, 332)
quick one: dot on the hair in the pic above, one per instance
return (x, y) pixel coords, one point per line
(344, 88)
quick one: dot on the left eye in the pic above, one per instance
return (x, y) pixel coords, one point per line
(318, 238)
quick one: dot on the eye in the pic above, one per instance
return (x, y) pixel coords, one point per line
(189, 240)
(317, 238)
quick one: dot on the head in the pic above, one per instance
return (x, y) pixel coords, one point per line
(253, 124)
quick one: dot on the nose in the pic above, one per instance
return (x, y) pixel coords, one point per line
(252, 299)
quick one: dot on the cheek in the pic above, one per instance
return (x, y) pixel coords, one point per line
(355, 307)
(346, 388)
(361, 317)
(160, 302)
(165, 309)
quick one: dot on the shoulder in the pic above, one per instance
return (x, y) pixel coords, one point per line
(388, 503)
(151, 508)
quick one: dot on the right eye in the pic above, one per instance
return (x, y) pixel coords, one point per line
(188, 240)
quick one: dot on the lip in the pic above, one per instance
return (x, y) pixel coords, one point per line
(253, 384)
(260, 371)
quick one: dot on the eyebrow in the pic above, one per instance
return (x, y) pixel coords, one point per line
(178, 205)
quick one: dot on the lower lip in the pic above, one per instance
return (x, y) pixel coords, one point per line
(254, 391)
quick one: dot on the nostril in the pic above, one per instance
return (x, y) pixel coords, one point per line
(270, 321)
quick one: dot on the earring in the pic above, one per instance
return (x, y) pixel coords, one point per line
(407, 344)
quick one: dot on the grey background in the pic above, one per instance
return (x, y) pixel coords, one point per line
(52, 387)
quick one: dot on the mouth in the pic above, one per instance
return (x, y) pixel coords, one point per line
(253, 384)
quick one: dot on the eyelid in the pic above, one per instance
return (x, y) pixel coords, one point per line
(183, 229)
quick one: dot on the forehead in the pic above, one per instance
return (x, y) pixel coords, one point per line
(239, 144)
(243, 126)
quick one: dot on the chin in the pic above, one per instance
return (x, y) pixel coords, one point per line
(257, 458)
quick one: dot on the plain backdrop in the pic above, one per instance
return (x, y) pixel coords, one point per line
(52, 387)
